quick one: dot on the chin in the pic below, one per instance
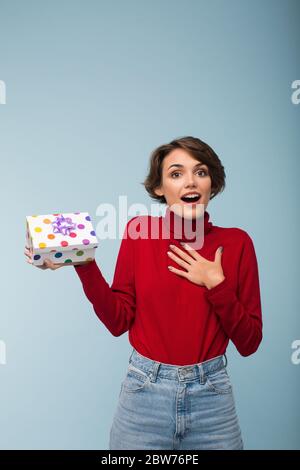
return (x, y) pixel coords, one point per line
(188, 211)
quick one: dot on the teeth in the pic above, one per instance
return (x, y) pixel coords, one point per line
(191, 195)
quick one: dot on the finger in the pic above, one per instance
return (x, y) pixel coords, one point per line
(28, 253)
(49, 264)
(178, 260)
(182, 254)
(54, 266)
(178, 271)
(29, 261)
(218, 255)
(192, 252)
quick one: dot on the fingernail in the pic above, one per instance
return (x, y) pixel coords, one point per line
(221, 249)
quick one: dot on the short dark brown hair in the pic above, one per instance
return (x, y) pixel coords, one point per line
(197, 149)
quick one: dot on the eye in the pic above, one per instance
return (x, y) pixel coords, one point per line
(203, 171)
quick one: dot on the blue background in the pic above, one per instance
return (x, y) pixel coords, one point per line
(92, 88)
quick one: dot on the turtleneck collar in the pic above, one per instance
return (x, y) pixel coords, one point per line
(185, 229)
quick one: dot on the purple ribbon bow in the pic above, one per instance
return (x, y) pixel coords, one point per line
(63, 225)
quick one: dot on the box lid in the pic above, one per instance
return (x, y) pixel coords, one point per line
(61, 232)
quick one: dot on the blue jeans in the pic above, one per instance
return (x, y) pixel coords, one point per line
(163, 406)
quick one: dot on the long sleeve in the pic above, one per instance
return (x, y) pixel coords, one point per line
(115, 305)
(240, 312)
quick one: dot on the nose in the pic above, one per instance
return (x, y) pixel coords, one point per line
(190, 181)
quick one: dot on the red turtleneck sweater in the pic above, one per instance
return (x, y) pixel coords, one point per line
(169, 318)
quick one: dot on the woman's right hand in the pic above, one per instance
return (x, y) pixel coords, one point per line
(48, 264)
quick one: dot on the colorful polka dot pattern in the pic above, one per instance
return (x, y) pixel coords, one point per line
(41, 229)
(58, 257)
(78, 245)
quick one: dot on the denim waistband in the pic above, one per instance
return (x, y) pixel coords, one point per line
(180, 373)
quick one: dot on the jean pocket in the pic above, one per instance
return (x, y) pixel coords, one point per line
(219, 382)
(135, 379)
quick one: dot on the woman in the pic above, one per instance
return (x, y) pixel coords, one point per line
(182, 295)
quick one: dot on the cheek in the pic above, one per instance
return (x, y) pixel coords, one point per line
(172, 190)
(206, 185)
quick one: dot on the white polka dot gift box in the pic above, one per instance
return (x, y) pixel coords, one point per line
(62, 238)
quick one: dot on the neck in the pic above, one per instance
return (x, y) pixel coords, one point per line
(188, 230)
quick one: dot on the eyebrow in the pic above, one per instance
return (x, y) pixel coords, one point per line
(178, 165)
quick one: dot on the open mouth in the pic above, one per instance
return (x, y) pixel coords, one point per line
(190, 199)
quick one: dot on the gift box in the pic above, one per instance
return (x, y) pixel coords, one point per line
(62, 238)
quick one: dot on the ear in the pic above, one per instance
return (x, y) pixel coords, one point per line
(158, 192)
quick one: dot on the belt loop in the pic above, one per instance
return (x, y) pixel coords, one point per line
(154, 372)
(226, 362)
(201, 374)
(131, 355)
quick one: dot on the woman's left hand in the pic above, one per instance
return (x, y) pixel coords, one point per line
(199, 270)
